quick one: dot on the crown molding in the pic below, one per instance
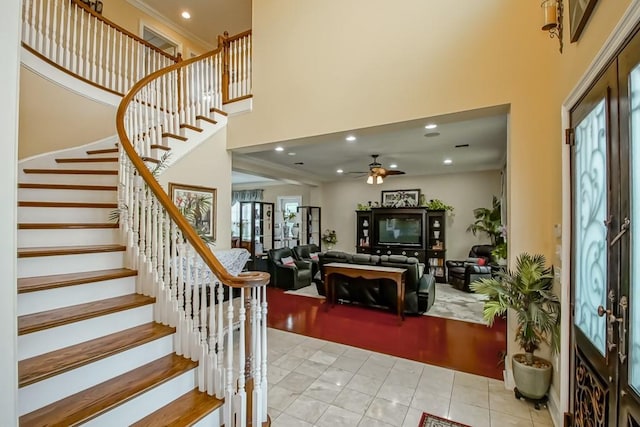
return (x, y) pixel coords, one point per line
(142, 6)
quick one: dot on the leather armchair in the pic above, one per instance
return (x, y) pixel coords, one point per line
(294, 276)
(303, 253)
(460, 274)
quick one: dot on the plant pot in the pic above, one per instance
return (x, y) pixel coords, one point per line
(532, 381)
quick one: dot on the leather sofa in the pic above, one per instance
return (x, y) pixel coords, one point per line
(295, 275)
(419, 287)
(460, 274)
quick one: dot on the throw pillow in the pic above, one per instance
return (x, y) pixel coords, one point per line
(482, 261)
(287, 260)
(314, 256)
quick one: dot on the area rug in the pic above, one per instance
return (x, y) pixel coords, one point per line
(450, 303)
(429, 420)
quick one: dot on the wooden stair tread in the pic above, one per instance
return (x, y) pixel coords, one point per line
(67, 250)
(40, 283)
(69, 187)
(174, 136)
(206, 119)
(192, 127)
(186, 410)
(103, 151)
(88, 160)
(64, 225)
(59, 361)
(92, 205)
(89, 403)
(160, 147)
(61, 316)
(216, 110)
(72, 171)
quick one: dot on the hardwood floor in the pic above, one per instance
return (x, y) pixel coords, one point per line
(463, 346)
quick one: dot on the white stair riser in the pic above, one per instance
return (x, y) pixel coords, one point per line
(211, 420)
(69, 237)
(50, 299)
(98, 166)
(51, 339)
(48, 178)
(62, 264)
(146, 403)
(47, 391)
(55, 195)
(45, 214)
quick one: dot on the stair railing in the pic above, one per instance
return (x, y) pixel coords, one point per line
(174, 264)
(83, 43)
(80, 41)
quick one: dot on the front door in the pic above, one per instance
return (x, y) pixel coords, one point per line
(605, 168)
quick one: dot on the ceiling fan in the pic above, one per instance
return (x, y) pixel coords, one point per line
(377, 173)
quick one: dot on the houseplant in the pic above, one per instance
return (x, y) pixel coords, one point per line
(527, 290)
(488, 220)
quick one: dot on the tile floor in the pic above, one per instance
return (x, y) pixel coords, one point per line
(321, 383)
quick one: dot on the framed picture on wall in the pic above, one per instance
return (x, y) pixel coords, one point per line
(198, 205)
(400, 198)
(579, 12)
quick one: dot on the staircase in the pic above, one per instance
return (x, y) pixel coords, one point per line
(89, 350)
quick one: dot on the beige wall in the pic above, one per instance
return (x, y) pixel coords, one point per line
(464, 192)
(208, 165)
(53, 118)
(129, 17)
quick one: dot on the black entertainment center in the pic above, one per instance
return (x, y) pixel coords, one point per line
(415, 232)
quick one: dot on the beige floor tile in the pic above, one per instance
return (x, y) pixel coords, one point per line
(383, 359)
(428, 402)
(353, 401)
(412, 418)
(335, 348)
(348, 363)
(322, 356)
(365, 384)
(470, 396)
(303, 351)
(505, 402)
(374, 370)
(372, 422)
(307, 409)
(288, 361)
(396, 393)
(357, 353)
(286, 420)
(280, 398)
(273, 413)
(387, 411)
(338, 417)
(469, 414)
(410, 366)
(337, 376)
(404, 378)
(296, 382)
(311, 368)
(322, 390)
(499, 419)
(275, 374)
(540, 416)
(471, 381)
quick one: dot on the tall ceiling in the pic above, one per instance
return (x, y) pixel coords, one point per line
(482, 134)
(209, 18)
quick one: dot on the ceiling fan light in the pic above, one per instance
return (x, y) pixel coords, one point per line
(370, 179)
(379, 179)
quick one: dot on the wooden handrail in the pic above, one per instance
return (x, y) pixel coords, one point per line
(243, 280)
(122, 30)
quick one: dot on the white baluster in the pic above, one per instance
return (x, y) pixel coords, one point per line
(81, 58)
(213, 360)
(229, 406)
(256, 335)
(94, 53)
(263, 370)
(220, 384)
(40, 31)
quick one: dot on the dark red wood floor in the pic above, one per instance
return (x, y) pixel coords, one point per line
(463, 346)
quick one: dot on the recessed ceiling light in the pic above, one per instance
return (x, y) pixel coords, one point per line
(291, 153)
(447, 161)
(393, 166)
(339, 171)
(279, 149)
(350, 138)
(185, 15)
(431, 126)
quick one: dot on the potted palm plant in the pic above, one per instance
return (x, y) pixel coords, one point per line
(527, 290)
(488, 220)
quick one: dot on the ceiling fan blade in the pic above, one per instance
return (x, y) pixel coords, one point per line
(393, 172)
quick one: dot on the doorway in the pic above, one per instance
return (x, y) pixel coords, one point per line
(605, 264)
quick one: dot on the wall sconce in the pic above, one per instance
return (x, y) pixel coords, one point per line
(552, 18)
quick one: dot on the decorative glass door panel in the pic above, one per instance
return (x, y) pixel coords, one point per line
(590, 214)
(634, 323)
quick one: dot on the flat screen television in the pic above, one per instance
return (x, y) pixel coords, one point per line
(399, 229)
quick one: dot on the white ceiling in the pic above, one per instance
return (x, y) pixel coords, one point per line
(416, 150)
(209, 18)
(485, 130)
